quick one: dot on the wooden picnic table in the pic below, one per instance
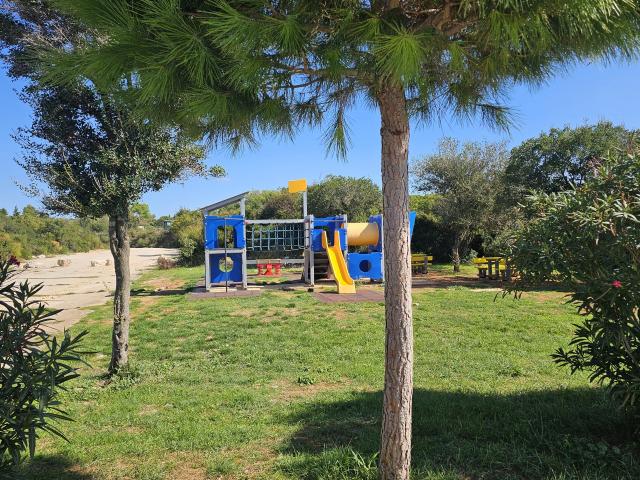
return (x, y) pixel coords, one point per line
(420, 262)
(493, 267)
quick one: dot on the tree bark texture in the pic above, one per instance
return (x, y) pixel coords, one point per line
(120, 249)
(395, 451)
(455, 252)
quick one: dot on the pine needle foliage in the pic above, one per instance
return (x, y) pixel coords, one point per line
(232, 70)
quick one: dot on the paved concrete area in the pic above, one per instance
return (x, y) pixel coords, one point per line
(88, 280)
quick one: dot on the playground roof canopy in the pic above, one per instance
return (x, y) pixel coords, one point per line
(223, 203)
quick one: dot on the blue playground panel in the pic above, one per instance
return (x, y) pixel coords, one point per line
(212, 231)
(330, 224)
(378, 220)
(365, 265)
(412, 222)
(216, 260)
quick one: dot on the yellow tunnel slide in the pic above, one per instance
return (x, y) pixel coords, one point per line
(338, 264)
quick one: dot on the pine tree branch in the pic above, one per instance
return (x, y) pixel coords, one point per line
(442, 19)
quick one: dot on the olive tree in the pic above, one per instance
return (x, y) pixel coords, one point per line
(358, 198)
(103, 169)
(468, 181)
(85, 151)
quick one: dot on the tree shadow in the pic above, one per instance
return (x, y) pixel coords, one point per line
(142, 292)
(564, 434)
(439, 279)
(48, 467)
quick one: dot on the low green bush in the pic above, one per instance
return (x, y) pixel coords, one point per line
(188, 231)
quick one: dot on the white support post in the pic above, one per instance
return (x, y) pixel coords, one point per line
(304, 204)
(207, 270)
(305, 271)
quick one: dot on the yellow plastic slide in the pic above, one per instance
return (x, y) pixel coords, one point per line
(338, 265)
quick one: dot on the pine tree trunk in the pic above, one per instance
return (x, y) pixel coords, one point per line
(455, 253)
(395, 451)
(119, 244)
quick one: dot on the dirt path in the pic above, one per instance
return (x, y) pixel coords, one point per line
(86, 281)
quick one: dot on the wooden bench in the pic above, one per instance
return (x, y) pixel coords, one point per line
(420, 262)
(482, 265)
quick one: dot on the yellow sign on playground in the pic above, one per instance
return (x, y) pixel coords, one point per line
(297, 185)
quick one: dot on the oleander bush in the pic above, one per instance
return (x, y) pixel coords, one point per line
(588, 240)
(34, 367)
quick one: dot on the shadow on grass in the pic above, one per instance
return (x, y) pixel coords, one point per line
(442, 281)
(538, 435)
(49, 467)
(142, 292)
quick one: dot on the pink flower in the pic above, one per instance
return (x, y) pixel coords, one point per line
(14, 261)
(616, 284)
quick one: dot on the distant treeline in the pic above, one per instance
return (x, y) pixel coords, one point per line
(30, 232)
(549, 163)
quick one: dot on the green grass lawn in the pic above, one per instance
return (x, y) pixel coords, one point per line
(281, 386)
(466, 269)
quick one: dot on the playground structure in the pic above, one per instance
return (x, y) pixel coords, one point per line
(319, 244)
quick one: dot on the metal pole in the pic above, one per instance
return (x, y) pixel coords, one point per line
(226, 270)
(312, 268)
(304, 204)
(244, 249)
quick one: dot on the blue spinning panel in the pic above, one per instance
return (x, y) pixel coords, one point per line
(216, 266)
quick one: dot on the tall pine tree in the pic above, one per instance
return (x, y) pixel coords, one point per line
(238, 68)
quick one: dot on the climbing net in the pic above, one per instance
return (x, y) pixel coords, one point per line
(281, 237)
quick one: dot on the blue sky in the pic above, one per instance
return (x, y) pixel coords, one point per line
(584, 94)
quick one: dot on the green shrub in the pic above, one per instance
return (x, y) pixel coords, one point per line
(152, 237)
(34, 366)
(32, 232)
(588, 240)
(188, 230)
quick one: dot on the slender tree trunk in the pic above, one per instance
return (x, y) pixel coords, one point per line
(395, 451)
(119, 244)
(455, 252)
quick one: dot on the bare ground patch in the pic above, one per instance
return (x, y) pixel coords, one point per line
(287, 391)
(246, 313)
(145, 303)
(187, 466)
(252, 460)
(548, 296)
(149, 410)
(444, 280)
(162, 283)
